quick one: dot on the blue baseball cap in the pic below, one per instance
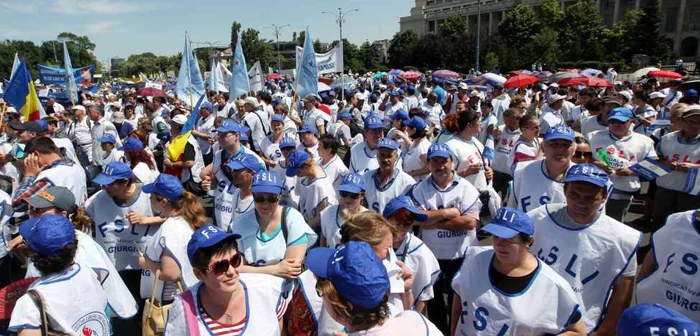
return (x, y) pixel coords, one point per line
(354, 270)
(331, 94)
(295, 160)
(559, 133)
(654, 319)
(395, 93)
(287, 142)
(113, 171)
(439, 149)
(126, 129)
(344, 115)
(131, 144)
(404, 202)
(206, 236)
(306, 129)
(691, 93)
(245, 161)
(353, 183)
(163, 136)
(206, 105)
(107, 138)
(373, 122)
(43, 124)
(621, 113)
(586, 172)
(267, 181)
(128, 105)
(400, 115)
(388, 143)
(165, 185)
(418, 123)
(48, 234)
(229, 126)
(277, 118)
(509, 222)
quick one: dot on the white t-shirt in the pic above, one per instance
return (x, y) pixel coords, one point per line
(412, 158)
(408, 322)
(145, 174)
(468, 152)
(379, 196)
(114, 156)
(504, 149)
(489, 120)
(205, 126)
(336, 170)
(623, 153)
(312, 193)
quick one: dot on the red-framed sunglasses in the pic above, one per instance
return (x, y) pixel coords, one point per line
(220, 267)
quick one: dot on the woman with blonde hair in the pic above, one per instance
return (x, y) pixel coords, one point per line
(167, 250)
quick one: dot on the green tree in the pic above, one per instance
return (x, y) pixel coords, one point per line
(547, 46)
(645, 36)
(401, 49)
(454, 34)
(616, 39)
(256, 49)
(235, 29)
(367, 58)
(550, 13)
(26, 50)
(581, 32)
(516, 31)
(317, 46)
(300, 38)
(428, 52)
(491, 61)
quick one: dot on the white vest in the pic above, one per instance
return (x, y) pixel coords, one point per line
(675, 283)
(532, 188)
(331, 222)
(504, 149)
(69, 175)
(73, 298)
(544, 307)
(115, 233)
(313, 193)
(326, 325)
(263, 295)
(378, 197)
(198, 163)
(447, 244)
(362, 159)
(623, 153)
(423, 263)
(336, 170)
(469, 153)
(590, 259)
(672, 150)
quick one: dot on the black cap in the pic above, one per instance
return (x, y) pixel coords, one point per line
(30, 126)
(15, 125)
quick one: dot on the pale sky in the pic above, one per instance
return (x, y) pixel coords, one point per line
(125, 27)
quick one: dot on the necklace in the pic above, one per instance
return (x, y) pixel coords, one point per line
(226, 315)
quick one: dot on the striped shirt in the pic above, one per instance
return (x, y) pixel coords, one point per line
(220, 329)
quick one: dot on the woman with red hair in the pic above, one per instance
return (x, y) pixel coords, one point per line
(140, 161)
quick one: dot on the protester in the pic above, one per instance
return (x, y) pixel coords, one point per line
(188, 166)
(100, 127)
(270, 145)
(111, 154)
(315, 187)
(363, 156)
(388, 181)
(351, 195)
(203, 131)
(333, 165)
(468, 150)
(139, 160)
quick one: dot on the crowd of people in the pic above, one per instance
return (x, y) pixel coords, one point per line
(395, 207)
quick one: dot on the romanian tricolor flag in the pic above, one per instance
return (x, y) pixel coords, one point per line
(21, 94)
(177, 144)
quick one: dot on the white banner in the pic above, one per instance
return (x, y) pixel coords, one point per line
(329, 62)
(154, 85)
(255, 77)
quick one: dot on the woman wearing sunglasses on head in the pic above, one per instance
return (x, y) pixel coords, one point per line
(352, 195)
(166, 251)
(225, 301)
(273, 238)
(410, 249)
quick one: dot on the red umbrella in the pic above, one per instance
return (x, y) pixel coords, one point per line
(665, 74)
(446, 74)
(409, 75)
(520, 81)
(274, 76)
(587, 81)
(151, 92)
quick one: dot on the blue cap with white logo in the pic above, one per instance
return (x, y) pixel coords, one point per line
(132, 143)
(229, 126)
(560, 133)
(621, 114)
(165, 185)
(267, 181)
(295, 160)
(649, 319)
(306, 129)
(400, 115)
(373, 122)
(206, 236)
(206, 105)
(509, 222)
(388, 144)
(113, 171)
(439, 149)
(418, 123)
(245, 161)
(287, 142)
(107, 138)
(354, 270)
(344, 115)
(589, 173)
(352, 183)
(404, 202)
(277, 118)
(48, 234)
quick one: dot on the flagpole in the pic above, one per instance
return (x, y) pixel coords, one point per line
(189, 73)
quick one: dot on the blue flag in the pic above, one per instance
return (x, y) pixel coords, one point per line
(489, 152)
(213, 78)
(307, 74)
(70, 80)
(240, 83)
(196, 76)
(189, 86)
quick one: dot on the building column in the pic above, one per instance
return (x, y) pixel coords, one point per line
(490, 23)
(679, 27)
(638, 3)
(616, 12)
(597, 5)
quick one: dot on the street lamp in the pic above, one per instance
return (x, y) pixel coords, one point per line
(340, 18)
(277, 30)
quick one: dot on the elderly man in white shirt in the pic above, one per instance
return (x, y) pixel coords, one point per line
(100, 127)
(79, 132)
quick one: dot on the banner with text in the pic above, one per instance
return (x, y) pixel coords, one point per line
(329, 62)
(53, 75)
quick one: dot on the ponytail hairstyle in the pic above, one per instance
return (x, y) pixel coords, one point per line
(189, 208)
(451, 123)
(80, 219)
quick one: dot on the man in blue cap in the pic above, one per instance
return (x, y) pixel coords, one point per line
(308, 141)
(622, 148)
(363, 156)
(203, 131)
(595, 253)
(539, 182)
(388, 181)
(111, 154)
(237, 198)
(450, 228)
(392, 103)
(433, 111)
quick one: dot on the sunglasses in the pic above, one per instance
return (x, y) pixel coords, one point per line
(221, 266)
(345, 194)
(579, 155)
(268, 198)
